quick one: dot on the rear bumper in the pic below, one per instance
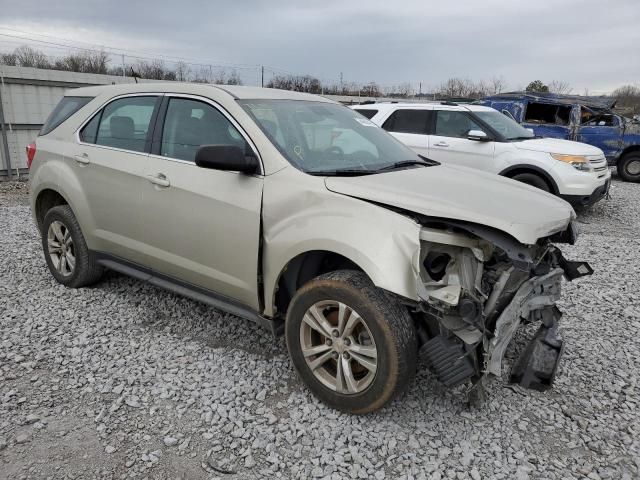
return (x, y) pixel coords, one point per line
(586, 200)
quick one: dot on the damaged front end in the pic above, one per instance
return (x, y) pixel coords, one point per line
(477, 287)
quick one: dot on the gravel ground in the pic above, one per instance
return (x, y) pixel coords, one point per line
(123, 380)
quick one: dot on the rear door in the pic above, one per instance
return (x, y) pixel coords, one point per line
(449, 144)
(409, 125)
(201, 226)
(110, 161)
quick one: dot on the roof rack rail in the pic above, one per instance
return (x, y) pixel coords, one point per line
(446, 102)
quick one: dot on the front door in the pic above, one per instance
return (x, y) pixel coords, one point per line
(201, 226)
(449, 143)
(601, 130)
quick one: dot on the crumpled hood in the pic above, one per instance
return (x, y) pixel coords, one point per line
(459, 193)
(557, 145)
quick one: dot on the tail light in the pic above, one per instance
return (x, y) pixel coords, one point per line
(31, 153)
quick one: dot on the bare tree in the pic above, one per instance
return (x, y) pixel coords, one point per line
(9, 59)
(371, 90)
(182, 71)
(497, 84)
(559, 86)
(86, 62)
(628, 97)
(29, 57)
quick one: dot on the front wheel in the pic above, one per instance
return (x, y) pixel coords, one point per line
(533, 180)
(353, 345)
(629, 167)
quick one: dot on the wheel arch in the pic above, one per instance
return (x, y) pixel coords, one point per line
(304, 267)
(514, 170)
(628, 150)
(46, 199)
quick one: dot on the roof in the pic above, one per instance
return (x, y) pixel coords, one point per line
(598, 102)
(236, 91)
(429, 105)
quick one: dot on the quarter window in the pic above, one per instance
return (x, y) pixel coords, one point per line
(65, 108)
(124, 123)
(190, 124)
(407, 121)
(450, 123)
(368, 113)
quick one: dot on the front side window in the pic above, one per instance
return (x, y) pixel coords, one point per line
(189, 124)
(325, 138)
(450, 123)
(407, 121)
(505, 126)
(65, 108)
(123, 123)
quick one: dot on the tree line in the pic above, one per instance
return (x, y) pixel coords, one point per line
(91, 61)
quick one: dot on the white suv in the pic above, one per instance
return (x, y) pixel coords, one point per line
(481, 137)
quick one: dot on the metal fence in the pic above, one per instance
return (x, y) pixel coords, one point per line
(27, 96)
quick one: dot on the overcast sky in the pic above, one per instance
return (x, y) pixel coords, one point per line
(588, 43)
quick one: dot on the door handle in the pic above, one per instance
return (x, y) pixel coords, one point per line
(160, 179)
(441, 144)
(82, 159)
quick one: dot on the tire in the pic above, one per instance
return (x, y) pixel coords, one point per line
(533, 180)
(629, 167)
(61, 227)
(381, 325)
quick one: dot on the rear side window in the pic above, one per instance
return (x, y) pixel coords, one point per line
(408, 121)
(546, 113)
(369, 113)
(124, 123)
(65, 108)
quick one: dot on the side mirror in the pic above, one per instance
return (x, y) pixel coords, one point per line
(226, 157)
(477, 135)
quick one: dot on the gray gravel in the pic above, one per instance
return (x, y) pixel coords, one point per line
(127, 381)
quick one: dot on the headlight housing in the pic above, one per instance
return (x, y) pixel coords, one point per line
(579, 162)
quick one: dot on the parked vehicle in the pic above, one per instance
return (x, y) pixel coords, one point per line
(299, 214)
(479, 137)
(583, 119)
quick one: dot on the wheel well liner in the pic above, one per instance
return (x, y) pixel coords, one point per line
(303, 268)
(514, 170)
(46, 200)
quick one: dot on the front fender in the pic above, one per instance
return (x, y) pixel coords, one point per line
(383, 243)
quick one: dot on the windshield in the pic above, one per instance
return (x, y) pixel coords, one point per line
(502, 124)
(318, 137)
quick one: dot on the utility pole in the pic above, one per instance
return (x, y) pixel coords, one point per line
(210, 74)
(123, 65)
(341, 87)
(420, 90)
(262, 75)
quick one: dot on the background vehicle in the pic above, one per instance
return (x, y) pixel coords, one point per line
(478, 137)
(582, 119)
(301, 215)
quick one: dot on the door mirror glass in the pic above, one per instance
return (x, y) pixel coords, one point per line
(226, 157)
(477, 135)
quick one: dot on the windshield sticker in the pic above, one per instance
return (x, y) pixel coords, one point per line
(365, 122)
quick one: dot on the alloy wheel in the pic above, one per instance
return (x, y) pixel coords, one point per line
(338, 347)
(61, 248)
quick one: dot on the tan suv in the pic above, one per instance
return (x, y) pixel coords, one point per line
(300, 214)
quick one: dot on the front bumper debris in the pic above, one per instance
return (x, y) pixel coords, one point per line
(536, 368)
(534, 294)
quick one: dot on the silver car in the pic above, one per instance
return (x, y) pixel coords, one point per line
(300, 214)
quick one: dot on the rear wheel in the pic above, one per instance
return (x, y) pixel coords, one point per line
(533, 180)
(353, 345)
(65, 249)
(629, 167)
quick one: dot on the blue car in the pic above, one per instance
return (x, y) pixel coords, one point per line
(583, 119)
